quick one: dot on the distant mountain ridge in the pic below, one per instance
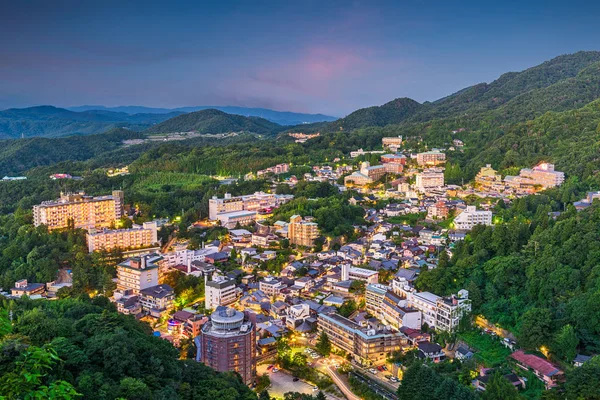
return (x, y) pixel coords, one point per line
(216, 122)
(279, 117)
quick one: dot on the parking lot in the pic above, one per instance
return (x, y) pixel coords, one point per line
(282, 383)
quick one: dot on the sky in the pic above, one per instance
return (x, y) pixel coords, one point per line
(325, 56)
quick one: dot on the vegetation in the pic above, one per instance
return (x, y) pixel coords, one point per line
(421, 382)
(323, 346)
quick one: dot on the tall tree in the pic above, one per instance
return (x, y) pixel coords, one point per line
(323, 345)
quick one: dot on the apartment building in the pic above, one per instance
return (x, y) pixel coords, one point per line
(393, 159)
(429, 179)
(374, 294)
(156, 300)
(434, 157)
(277, 169)
(138, 273)
(302, 232)
(396, 312)
(544, 175)
(138, 236)
(271, 286)
(470, 217)
(367, 345)
(425, 302)
(451, 309)
(80, 211)
(228, 343)
(220, 291)
(366, 174)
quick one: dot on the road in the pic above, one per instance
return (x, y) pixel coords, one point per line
(282, 383)
(341, 383)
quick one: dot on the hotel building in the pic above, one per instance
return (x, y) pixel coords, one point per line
(228, 343)
(243, 209)
(138, 273)
(367, 345)
(138, 236)
(433, 157)
(470, 217)
(392, 143)
(302, 232)
(429, 179)
(82, 211)
(220, 291)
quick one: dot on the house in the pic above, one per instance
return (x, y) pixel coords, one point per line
(485, 374)
(580, 359)
(431, 351)
(463, 353)
(155, 300)
(22, 287)
(217, 257)
(547, 372)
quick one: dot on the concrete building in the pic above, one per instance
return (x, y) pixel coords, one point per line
(488, 179)
(243, 206)
(349, 273)
(228, 343)
(156, 300)
(22, 287)
(470, 217)
(393, 159)
(374, 295)
(434, 157)
(451, 309)
(544, 175)
(429, 179)
(138, 273)
(302, 232)
(367, 345)
(138, 236)
(271, 286)
(79, 211)
(220, 291)
(392, 143)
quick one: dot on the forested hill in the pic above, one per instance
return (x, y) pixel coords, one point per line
(215, 122)
(392, 112)
(48, 121)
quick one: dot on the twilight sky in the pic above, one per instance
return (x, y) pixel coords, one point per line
(323, 56)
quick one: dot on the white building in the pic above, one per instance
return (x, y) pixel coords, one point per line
(220, 291)
(359, 274)
(429, 179)
(243, 209)
(185, 256)
(271, 286)
(467, 219)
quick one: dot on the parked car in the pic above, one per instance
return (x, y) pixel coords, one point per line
(296, 379)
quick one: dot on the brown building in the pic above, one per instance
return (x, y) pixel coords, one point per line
(228, 343)
(302, 232)
(433, 157)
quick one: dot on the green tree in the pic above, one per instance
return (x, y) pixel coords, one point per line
(536, 328)
(499, 388)
(323, 345)
(565, 343)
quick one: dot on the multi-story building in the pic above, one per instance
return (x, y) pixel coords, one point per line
(393, 168)
(271, 286)
(392, 143)
(155, 300)
(396, 312)
(302, 232)
(220, 291)
(429, 179)
(439, 210)
(243, 209)
(393, 159)
(228, 343)
(22, 287)
(138, 236)
(434, 157)
(367, 345)
(425, 302)
(374, 294)
(277, 169)
(79, 211)
(470, 217)
(138, 273)
(367, 174)
(543, 175)
(451, 309)
(488, 179)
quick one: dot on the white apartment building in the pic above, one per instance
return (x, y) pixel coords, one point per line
(138, 273)
(185, 256)
(243, 209)
(544, 175)
(433, 157)
(451, 309)
(138, 236)
(470, 217)
(271, 286)
(429, 179)
(425, 302)
(220, 291)
(358, 274)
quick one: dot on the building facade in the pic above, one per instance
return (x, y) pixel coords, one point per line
(434, 157)
(429, 179)
(138, 273)
(220, 291)
(79, 211)
(302, 232)
(228, 343)
(138, 236)
(470, 217)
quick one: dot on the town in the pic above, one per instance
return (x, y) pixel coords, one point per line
(273, 289)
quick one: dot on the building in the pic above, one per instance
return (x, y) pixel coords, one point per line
(450, 311)
(374, 295)
(396, 313)
(22, 287)
(138, 236)
(271, 286)
(228, 343)
(302, 232)
(367, 174)
(276, 170)
(429, 179)
(258, 202)
(349, 273)
(138, 273)
(220, 291)
(545, 371)
(393, 168)
(367, 345)
(79, 211)
(470, 217)
(392, 143)
(155, 300)
(393, 159)
(429, 158)
(425, 302)
(544, 175)
(488, 179)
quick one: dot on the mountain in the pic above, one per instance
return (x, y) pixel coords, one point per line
(49, 121)
(216, 122)
(279, 117)
(393, 112)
